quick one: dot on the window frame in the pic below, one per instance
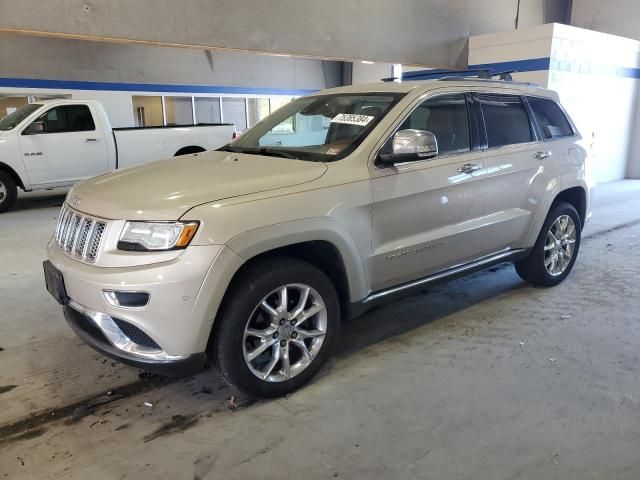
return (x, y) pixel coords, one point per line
(533, 126)
(475, 140)
(53, 107)
(535, 120)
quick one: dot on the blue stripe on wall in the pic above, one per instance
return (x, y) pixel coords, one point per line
(529, 65)
(145, 87)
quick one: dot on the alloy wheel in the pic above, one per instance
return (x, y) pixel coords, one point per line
(285, 332)
(3, 192)
(559, 245)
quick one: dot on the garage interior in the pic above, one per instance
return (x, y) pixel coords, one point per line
(481, 377)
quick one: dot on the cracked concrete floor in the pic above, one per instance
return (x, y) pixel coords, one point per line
(479, 378)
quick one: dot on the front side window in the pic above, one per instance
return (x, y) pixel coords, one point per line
(319, 128)
(67, 118)
(12, 120)
(550, 118)
(446, 117)
(505, 119)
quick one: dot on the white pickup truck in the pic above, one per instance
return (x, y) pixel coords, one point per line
(57, 143)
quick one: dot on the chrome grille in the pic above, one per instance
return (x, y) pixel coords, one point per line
(79, 235)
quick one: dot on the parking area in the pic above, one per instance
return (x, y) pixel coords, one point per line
(482, 377)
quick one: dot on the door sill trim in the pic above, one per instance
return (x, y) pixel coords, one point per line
(457, 270)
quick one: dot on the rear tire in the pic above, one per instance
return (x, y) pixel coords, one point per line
(8, 191)
(555, 250)
(267, 348)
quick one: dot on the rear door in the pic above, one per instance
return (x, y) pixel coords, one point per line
(71, 147)
(428, 215)
(517, 173)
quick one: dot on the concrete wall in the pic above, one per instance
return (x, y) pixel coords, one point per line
(596, 76)
(424, 32)
(617, 17)
(66, 65)
(63, 59)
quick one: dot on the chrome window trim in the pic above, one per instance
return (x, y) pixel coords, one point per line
(574, 129)
(419, 101)
(522, 98)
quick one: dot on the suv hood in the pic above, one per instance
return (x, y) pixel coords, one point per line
(166, 189)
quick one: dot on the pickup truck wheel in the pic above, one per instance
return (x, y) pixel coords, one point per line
(8, 191)
(277, 327)
(556, 249)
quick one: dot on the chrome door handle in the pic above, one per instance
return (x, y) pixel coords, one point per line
(90, 139)
(542, 155)
(469, 168)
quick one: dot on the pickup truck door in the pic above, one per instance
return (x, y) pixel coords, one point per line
(428, 215)
(65, 145)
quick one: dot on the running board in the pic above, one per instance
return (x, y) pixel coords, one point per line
(481, 263)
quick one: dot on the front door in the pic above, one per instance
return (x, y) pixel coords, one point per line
(66, 148)
(429, 215)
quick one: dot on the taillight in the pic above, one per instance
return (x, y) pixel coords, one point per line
(234, 136)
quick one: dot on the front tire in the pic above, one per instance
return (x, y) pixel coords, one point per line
(555, 250)
(276, 328)
(8, 191)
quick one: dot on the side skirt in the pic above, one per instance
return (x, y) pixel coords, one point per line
(392, 293)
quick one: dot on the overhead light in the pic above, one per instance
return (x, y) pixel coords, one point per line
(368, 62)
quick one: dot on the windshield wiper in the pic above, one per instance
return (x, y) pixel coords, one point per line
(269, 152)
(276, 153)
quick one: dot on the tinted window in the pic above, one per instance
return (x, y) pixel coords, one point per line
(69, 118)
(506, 120)
(446, 117)
(550, 118)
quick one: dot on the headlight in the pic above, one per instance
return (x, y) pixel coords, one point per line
(143, 236)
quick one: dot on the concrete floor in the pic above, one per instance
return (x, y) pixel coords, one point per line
(479, 378)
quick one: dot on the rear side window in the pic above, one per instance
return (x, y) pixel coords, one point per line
(68, 118)
(506, 120)
(550, 117)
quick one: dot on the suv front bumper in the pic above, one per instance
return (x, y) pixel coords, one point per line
(170, 333)
(92, 334)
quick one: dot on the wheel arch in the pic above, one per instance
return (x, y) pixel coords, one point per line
(323, 242)
(576, 196)
(14, 175)
(190, 149)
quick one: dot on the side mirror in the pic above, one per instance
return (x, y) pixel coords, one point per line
(35, 127)
(409, 146)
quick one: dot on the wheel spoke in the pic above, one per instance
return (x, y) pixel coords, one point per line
(262, 334)
(304, 334)
(303, 348)
(272, 363)
(284, 300)
(548, 247)
(311, 312)
(304, 296)
(548, 261)
(269, 309)
(569, 232)
(264, 345)
(286, 364)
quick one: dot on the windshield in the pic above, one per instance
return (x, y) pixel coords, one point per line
(319, 128)
(13, 119)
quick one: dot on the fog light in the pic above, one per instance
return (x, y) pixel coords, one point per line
(126, 299)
